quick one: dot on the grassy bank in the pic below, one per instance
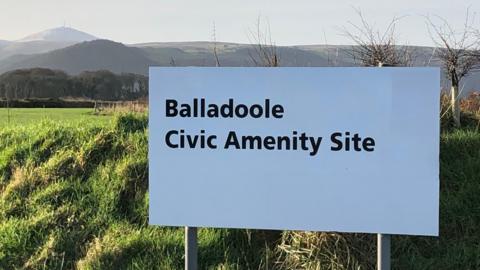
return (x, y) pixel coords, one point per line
(73, 195)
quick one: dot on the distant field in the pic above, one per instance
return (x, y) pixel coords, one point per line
(20, 116)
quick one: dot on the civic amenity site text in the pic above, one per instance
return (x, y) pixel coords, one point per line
(231, 140)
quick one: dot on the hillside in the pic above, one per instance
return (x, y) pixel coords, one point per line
(31, 47)
(201, 54)
(92, 55)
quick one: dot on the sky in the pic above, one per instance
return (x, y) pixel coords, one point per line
(296, 22)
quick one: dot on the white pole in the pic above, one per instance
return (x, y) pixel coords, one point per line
(383, 251)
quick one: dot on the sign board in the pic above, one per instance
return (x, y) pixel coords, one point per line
(318, 149)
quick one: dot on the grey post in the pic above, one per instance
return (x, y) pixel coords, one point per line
(383, 251)
(191, 248)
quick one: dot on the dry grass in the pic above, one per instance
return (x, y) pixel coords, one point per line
(326, 250)
(470, 111)
(109, 108)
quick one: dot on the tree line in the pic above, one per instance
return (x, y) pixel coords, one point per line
(42, 83)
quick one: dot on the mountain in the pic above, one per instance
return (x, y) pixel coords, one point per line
(75, 51)
(230, 54)
(45, 41)
(90, 55)
(59, 34)
(116, 57)
(31, 47)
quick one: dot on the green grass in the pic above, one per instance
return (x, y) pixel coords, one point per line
(23, 116)
(74, 195)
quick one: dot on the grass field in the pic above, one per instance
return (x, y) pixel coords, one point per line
(74, 195)
(16, 116)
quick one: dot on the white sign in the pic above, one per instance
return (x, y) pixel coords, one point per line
(318, 149)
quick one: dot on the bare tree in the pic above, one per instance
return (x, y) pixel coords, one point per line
(374, 47)
(172, 62)
(215, 52)
(264, 51)
(459, 54)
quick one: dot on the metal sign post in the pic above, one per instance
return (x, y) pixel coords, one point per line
(191, 248)
(383, 251)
